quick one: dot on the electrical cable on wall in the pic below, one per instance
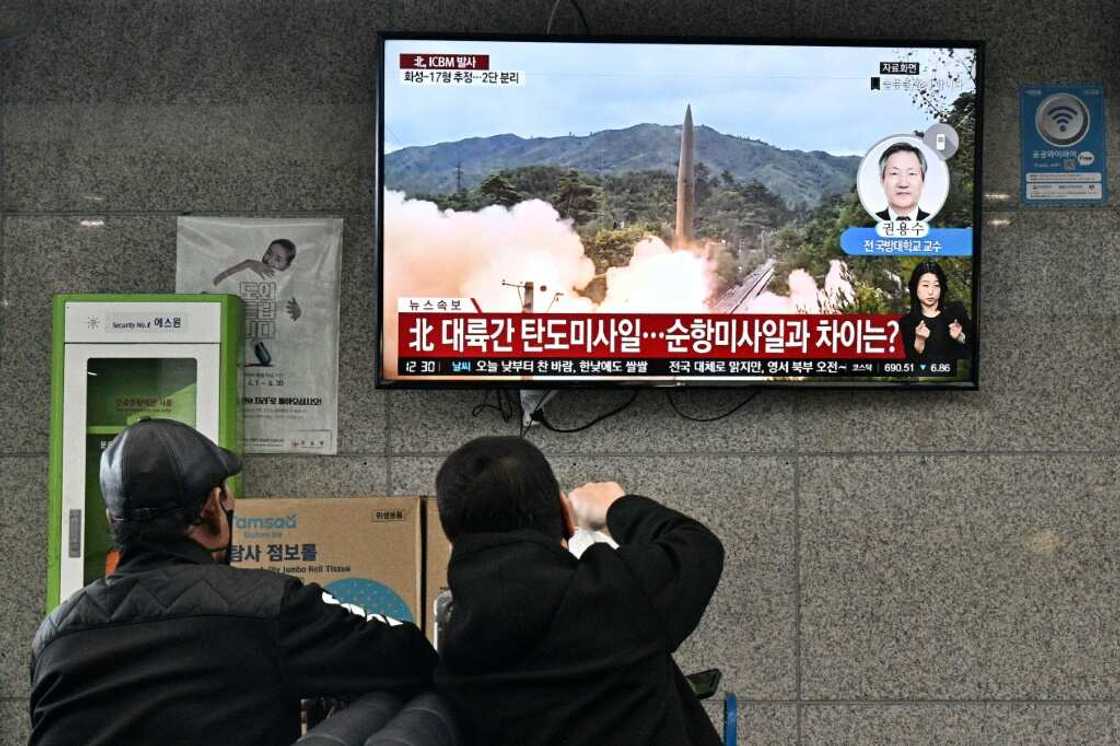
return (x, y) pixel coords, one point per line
(728, 413)
(504, 406)
(538, 415)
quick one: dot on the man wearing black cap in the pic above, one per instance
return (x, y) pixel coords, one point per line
(176, 647)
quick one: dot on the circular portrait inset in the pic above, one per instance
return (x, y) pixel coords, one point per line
(901, 179)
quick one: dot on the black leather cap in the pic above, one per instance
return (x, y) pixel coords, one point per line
(158, 466)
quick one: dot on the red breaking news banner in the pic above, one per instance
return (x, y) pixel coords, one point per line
(650, 336)
(425, 61)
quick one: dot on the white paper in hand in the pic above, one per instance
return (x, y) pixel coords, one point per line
(582, 539)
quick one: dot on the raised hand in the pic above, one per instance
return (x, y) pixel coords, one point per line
(956, 331)
(591, 502)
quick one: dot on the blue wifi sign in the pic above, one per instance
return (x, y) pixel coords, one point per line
(1063, 136)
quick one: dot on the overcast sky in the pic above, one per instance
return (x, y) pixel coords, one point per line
(807, 98)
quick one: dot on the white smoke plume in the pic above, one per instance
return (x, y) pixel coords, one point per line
(838, 292)
(469, 254)
(659, 280)
(805, 297)
(430, 252)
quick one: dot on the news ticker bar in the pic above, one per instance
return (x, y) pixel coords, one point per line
(629, 368)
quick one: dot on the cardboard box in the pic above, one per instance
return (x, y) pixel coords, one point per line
(437, 551)
(363, 550)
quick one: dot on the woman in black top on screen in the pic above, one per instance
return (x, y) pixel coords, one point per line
(935, 330)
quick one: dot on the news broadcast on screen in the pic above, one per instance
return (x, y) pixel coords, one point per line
(560, 212)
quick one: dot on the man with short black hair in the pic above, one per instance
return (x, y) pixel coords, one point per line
(544, 648)
(176, 647)
(902, 172)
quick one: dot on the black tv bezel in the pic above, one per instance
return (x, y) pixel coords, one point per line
(380, 382)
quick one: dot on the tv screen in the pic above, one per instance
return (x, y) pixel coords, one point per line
(555, 212)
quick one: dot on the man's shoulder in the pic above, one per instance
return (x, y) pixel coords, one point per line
(164, 593)
(605, 574)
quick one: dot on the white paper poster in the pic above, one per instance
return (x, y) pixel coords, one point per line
(287, 273)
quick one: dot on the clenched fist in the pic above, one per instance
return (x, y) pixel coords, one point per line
(591, 502)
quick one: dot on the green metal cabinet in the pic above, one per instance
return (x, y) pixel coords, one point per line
(116, 359)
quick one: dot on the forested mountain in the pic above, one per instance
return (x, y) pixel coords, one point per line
(800, 178)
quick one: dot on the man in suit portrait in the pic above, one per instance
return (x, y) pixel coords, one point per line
(902, 173)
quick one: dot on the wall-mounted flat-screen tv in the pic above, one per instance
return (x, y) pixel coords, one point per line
(564, 212)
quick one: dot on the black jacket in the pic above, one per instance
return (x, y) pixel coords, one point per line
(886, 214)
(175, 649)
(542, 648)
(940, 347)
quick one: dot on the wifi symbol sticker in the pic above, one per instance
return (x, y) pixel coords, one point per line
(1062, 120)
(1062, 116)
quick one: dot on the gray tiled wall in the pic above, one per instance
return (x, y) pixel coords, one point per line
(902, 568)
